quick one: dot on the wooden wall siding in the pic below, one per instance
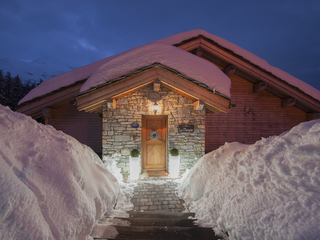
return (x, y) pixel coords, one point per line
(253, 117)
(85, 127)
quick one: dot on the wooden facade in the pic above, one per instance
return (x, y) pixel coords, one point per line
(83, 126)
(252, 117)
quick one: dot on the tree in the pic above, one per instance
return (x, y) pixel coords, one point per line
(2, 89)
(17, 92)
(12, 90)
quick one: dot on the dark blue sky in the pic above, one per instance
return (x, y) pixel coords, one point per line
(286, 33)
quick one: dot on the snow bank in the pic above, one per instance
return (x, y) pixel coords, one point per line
(50, 186)
(268, 190)
(184, 62)
(303, 86)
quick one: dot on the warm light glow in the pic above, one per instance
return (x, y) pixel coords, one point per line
(155, 108)
(134, 167)
(174, 166)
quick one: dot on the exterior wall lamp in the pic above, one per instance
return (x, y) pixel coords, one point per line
(155, 108)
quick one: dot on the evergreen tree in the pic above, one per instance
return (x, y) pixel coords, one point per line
(3, 99)
(12, 90)
(17, 91)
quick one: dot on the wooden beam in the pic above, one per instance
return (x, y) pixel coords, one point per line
(112, 103)
(34, 108)
(288, 102)
(192, 91)
(230, 70)
(306, 103)
(156, 85)
(259, 87)
(92, 100)
(198, 105)
(312, 116)
(199, 52)
(73, 102)
(47, 113)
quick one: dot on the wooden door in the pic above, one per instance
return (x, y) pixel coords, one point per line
(154, 139)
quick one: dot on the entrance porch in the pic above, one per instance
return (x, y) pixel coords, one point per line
(128, 126)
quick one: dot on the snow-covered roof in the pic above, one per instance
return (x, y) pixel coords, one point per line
(303, 86)
(163, 52)
(63, 80)
(185, 63)
(110, 68)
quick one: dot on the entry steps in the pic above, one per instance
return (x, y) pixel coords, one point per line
(153, 225)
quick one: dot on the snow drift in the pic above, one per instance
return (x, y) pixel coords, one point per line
(268, 190)
(50, 186)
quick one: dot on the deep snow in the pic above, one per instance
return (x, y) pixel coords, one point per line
(52, 186)
(268, 190)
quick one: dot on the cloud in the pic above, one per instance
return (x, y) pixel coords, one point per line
(80, 32)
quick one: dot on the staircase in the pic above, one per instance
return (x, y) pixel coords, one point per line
(157, 214)
(153, 225)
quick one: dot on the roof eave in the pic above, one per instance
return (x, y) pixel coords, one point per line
(251, 71)
(92, 99)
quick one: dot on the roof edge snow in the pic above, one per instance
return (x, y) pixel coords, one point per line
(244, 55)
(149, 67)
(187, 64)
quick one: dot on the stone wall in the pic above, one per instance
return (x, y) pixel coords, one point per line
(119, 137)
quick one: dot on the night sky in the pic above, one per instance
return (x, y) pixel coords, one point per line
(286, 33)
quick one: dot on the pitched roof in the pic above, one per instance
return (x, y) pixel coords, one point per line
(181, 38)
(163, 52)
(186, 64)
(129, 61)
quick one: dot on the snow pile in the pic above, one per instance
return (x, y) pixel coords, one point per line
(184, 62)
(50, 186)
(268, 190)
(178, 38)
(126, 189)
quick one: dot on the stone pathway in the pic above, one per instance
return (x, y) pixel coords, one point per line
(158, 196)
(157, 214)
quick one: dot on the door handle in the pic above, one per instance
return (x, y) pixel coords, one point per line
(164, 136)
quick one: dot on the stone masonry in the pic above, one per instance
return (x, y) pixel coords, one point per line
(119, 137)
(150, 196)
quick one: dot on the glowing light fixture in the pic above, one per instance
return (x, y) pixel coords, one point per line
(155, 108)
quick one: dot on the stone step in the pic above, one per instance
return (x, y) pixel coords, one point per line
(152, 232)
(171, 215)
(153, 222)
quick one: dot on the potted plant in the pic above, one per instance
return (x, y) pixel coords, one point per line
(135, 153)
(174, 163)
(134, 161)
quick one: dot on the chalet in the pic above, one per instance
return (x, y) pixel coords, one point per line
(192, 91)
